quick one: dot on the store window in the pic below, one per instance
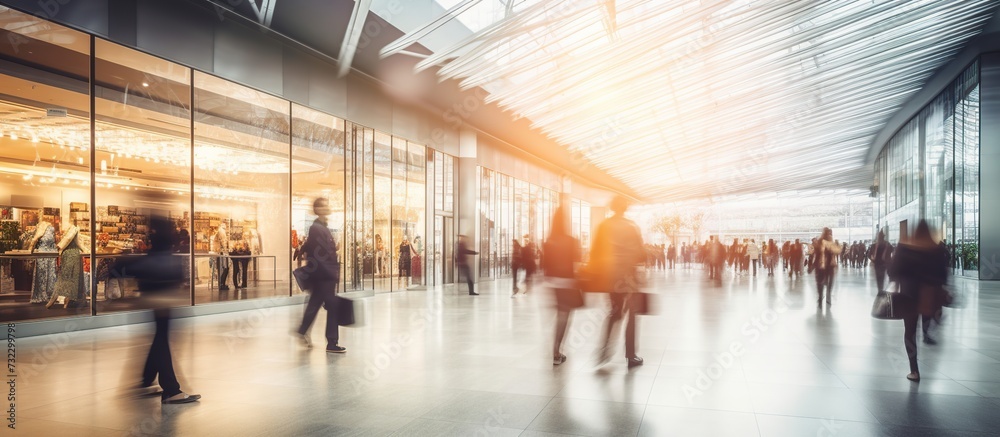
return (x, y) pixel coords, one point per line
(360, 243)
(408, 214)
(45, 174)
(382, 196)
(142, 165)
(945, 177)
(317, 171)
(241, 192)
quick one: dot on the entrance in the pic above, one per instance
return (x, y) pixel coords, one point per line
(444, 250)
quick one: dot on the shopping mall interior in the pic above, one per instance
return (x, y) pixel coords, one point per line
(471, 170)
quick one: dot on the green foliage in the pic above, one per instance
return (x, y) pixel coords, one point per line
(970, 256)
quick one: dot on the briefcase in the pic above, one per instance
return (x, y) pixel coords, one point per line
(344, 311)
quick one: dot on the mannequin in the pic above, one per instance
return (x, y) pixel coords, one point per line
(405, 254)
(416, 263)
(44, 281)
(255, 244)
(220, 246)
(69, 285)
(379, 251)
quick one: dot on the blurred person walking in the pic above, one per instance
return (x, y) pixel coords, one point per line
(529, 261)
(715, 257)
(824, 263)
(562, 252)
(880, 254)
(323, 270)
(160, 274)
(616, 252)
(786, 250)
(753, 255)
(671, 255)
(795, 259)
(770, 256)
(920, 267)
(462, 255)
(515, 262)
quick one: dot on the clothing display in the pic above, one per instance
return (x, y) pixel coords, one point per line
(23, 270)
(70, 280)
(69, 284)
(405, 251)
(44, 281)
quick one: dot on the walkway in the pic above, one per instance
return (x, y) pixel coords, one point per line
(751, 357)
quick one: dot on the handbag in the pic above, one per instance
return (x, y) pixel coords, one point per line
(301, 278)
(889, 305)
(569, 298)
(344, 311)
(640, 303)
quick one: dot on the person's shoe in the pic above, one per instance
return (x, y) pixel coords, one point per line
(558, 359)
(913, 376)
(304, 339)
(634, 361)
(929, 340)
(336, 349)
(181, 398)
(473, 294)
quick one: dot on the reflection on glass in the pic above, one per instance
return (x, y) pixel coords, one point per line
(143, 164)
(414, 218)
(317, 171)
(45, 183)
(241, 172)
(382, 201)
(948, 179)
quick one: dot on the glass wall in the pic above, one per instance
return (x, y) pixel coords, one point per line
(45, 149)
(317, 171)
(930, 170)
(235, 170)
(142, 165)
(241, 189)
(408, 215)
(510, 209)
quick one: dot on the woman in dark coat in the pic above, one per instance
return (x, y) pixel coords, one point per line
(562, 253)
(920, 267)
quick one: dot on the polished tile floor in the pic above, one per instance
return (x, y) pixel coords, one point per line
(749, 357)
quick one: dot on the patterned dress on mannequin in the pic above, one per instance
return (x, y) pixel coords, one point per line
(44, 282)
(70, 281)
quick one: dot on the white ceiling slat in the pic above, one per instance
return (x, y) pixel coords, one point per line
(687, 93)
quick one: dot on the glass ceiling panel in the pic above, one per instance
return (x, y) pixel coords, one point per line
(687, 99)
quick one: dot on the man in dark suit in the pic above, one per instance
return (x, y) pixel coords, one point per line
(462, 255)
(323, 270)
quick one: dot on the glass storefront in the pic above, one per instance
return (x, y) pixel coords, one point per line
(234, 169)
(511, 209)
(930, 170)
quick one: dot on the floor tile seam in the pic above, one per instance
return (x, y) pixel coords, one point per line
(533, 419)
(72, 398)
(878, 423)
(962, 383)
(728, 410)
(109, 430)
(852, 392)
